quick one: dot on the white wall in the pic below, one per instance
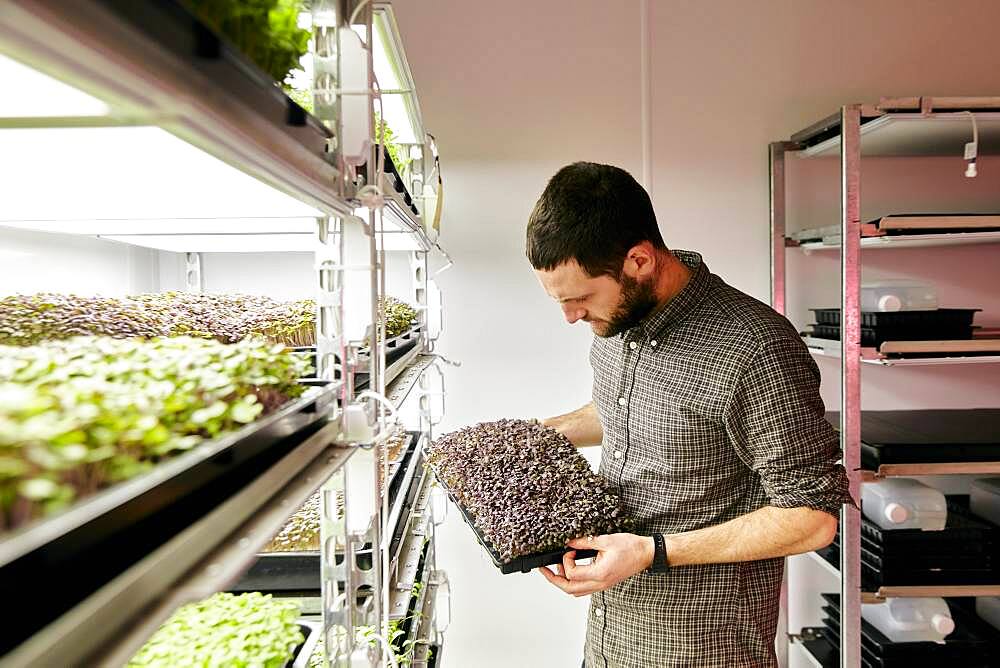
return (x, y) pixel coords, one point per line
(515, 90)
(36, 262)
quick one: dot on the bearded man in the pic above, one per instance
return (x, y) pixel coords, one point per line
(706, 402)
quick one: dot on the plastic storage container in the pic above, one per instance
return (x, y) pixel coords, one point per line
(985, 499)
(911, 619)
(901, 503)
(898, 295)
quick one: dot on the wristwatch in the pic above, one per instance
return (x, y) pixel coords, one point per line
(659, 564)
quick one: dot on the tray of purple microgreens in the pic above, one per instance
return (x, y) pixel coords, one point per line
(525, 490)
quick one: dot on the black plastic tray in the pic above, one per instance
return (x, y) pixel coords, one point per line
(963, 534)
(928, 436)
(312, 631)
(876, 336)
(300, 571)
(522, 564)
(82, 549)
(396, 347)
(964, 552)
(915, 320)
(971, 644)
(824, 652)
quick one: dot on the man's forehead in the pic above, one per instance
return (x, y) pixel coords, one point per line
(566, 281)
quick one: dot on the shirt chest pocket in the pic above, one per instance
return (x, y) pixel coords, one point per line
(677, 418)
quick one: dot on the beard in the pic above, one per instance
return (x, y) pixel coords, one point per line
(638, 301)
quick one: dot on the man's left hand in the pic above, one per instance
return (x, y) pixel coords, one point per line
(619, 556)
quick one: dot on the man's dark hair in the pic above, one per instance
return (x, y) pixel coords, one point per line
(593, 214)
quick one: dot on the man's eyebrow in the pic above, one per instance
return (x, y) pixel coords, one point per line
(573, 299)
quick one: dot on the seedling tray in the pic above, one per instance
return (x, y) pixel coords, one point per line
(81, 549)
(395, 348)
(911, 320)
(876, 336)
(312, 631)
(300, 571)
(522, 564)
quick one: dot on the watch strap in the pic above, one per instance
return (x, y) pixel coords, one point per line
(660, 564)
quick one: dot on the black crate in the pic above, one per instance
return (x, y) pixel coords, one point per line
(876, 336)
(972, 644)
(938, 318)
(964, 534)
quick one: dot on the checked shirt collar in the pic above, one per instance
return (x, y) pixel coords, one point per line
(656, 324)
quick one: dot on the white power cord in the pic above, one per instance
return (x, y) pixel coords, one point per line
(972, 148)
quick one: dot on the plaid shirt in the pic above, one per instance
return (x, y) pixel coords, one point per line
(711, 410)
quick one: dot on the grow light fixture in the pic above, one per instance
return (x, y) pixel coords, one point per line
(126, 173)
(220, 243)
(170, 226)
(31, 94)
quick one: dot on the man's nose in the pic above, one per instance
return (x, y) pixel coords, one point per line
(573, 313)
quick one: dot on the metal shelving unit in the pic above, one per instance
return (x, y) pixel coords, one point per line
(896, 127)
(148, 67)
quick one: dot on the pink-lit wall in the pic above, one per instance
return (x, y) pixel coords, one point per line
(513, 90)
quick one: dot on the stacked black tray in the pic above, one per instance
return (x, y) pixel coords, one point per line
(926, 437)
(963, 553)
(973, 644)
(299, 572)
(396, 348)
(879, 327)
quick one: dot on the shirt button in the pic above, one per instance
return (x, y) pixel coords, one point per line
(598, 612)
(621, 401)
(653, 343)
(618, 454)
(633, 345)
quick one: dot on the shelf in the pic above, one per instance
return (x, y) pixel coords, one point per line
(953, 591)
(910, 241)
(831, 348)
(395, 369)
(403, 563)
(158, 84)
(402, 592)
(424, 639)
(826, 565)
(950, 468)
(79, 551)
(399, 389)
(908, 133)
(205, 558)
(817, 651)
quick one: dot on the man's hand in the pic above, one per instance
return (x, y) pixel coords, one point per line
(619, 556)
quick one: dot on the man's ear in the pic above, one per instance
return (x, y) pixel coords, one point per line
(640, 261)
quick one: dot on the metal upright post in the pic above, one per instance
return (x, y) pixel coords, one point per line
(776, 165)
(850, 377)
(193, 280)
(776, 162)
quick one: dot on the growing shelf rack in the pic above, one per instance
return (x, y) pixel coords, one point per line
(899, 127)
(261, 176)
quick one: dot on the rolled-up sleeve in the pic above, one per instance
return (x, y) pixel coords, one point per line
(775, 419)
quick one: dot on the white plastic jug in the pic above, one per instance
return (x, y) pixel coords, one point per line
(898, 295)
(911, 619)
(902, 503)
